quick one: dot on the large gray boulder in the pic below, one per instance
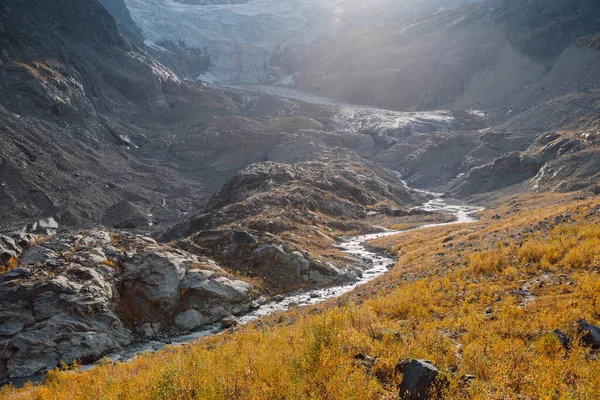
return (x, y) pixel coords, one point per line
(421, 380)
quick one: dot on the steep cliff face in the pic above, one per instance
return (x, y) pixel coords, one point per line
(119, 11)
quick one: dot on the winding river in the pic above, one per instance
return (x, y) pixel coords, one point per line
(355, 246)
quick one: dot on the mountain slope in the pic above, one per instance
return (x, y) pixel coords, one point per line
(476, 55)
(70, 92)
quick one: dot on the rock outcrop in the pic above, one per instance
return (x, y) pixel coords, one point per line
(503, 172)
(277, 221)
(81, 296)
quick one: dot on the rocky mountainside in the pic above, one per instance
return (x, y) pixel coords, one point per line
(83, 295)
(96, 131)
(71, 92)
(107, 139)
(478, 55)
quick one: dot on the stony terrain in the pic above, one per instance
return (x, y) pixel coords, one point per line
(279, 222)
(138, 202)
(80, 296)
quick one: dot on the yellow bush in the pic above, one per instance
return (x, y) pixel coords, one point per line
(11, 264)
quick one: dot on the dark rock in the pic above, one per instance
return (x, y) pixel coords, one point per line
(366, 361)
(421, 380)
(562, 338)
(591, 333)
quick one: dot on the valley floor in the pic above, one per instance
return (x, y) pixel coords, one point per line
(479, 300)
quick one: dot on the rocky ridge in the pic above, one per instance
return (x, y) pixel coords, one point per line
(279, 222)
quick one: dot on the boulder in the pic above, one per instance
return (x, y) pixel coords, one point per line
(190, 320)
(590, 333)
(47, 226)
(228, 322)
(562, 338)
(38, 254)
(152, 281)
(64, 316)
(275, 252)
(420, 380)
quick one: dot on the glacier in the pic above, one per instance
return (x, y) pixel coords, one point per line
(242, 36)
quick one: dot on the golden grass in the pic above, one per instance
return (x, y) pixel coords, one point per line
(11, 264)
(431, 305)
(41, 72)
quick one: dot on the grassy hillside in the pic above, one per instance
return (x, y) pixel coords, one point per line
(480, 299)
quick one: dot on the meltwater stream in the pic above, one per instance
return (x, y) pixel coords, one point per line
(355, 246)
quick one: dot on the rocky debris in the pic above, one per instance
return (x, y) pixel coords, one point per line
(591, 333)
(47, 226)
(420, 380)
(80, 296)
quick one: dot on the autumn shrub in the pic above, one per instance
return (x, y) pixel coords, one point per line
(12, 263)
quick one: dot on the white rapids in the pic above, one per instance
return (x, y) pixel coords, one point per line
(355, 246)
